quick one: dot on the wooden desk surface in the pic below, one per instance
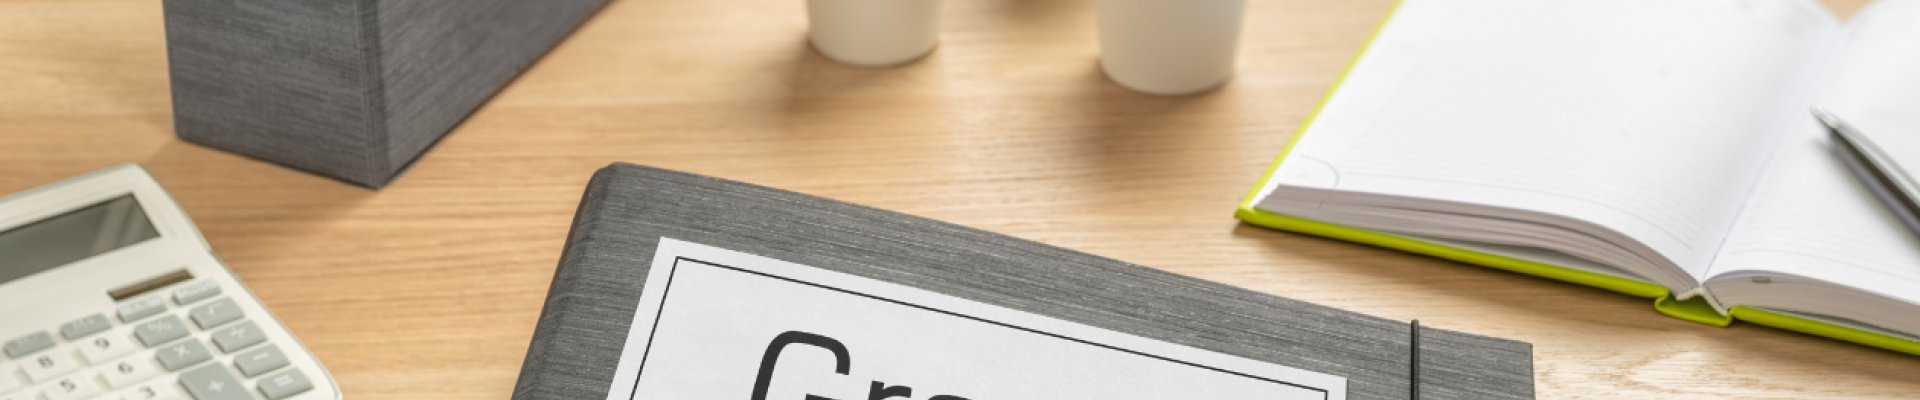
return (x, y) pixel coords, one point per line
(430, 288)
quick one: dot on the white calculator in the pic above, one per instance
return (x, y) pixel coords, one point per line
(108, 292)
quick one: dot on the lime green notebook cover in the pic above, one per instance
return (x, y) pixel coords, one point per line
(1696, 310)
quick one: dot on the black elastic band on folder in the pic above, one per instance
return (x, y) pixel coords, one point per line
(1413, 368)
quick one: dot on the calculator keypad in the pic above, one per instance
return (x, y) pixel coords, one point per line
(160, 331)
(213, 382)
(147, 358)
(41, 367)
(239, 336)
(85, 326)
(178, 356)
(215, 313)
(141, 308)
(101, 349)
(9, 382)
(72, 388)
(127, 372)
(151, 391)
(29, 344)
(260, 361)
(284, 384)
(196, 291)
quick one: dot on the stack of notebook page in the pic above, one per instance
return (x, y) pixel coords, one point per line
(1656, 148)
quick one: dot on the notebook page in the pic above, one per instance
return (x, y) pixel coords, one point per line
(1648, 117)
(1811, 217)
(1877, 91)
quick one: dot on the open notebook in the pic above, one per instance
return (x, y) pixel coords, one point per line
(1658, 148)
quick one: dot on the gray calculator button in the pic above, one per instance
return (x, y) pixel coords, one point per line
(215, 313)
(24, 345)
(213, 382)
(285, 384)
(85, 326)
(261, 361)
(238, 336)
(142, 308)
(156, 332)
(182, 355)
(196, 291)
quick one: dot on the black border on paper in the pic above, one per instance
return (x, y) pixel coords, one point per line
(634, 393)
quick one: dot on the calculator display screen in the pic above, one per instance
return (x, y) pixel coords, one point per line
(76, 235)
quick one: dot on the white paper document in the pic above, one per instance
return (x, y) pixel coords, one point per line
(724, 325)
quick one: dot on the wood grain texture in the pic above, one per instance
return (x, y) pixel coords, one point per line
(429, 289)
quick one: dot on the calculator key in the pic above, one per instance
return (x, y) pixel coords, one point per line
(261, 361)
(128, 372)
(85, 326)
(215, 313)
(8, 380)
(22, 346)
(104, 348)
(152, 391)
(71, 388)
(182, 355)
(238, 336)
(196, 291)
(213, 382)
(285, 384)
(46, 366)
(160, 331)
(141, 308)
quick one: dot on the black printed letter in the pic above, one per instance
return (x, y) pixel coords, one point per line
(840, 357)
(881, 391)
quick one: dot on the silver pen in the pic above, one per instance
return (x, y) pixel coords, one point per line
(1880, 172)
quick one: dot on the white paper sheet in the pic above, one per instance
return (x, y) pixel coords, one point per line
(718, 324)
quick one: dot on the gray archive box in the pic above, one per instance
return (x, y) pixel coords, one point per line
(351, 89)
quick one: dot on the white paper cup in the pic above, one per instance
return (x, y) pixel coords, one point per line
(874, 32)
(1169, 47)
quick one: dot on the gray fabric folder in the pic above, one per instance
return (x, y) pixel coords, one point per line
(628, 208)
